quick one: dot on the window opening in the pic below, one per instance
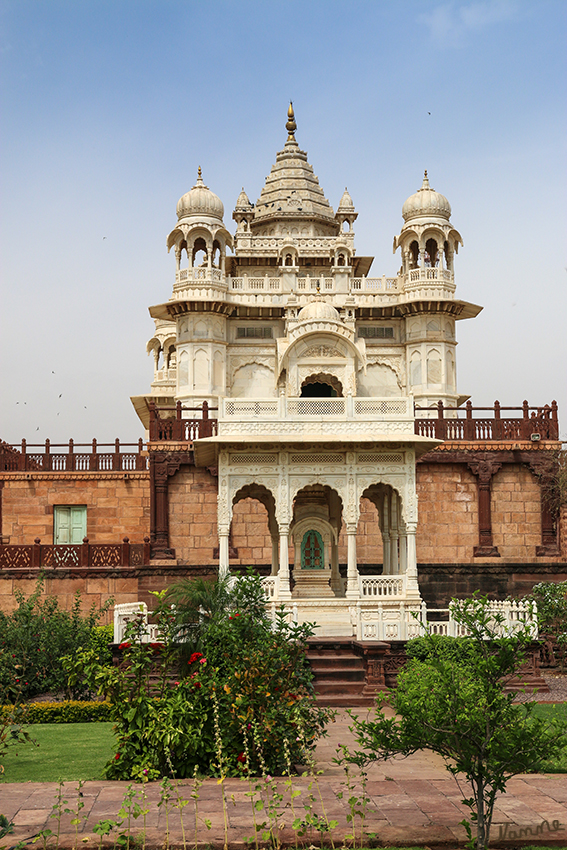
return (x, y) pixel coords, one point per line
(69, 524)
(254, 333)
(376, 333)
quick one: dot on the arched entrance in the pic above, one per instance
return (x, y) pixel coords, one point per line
(321, 385)
(317, 518)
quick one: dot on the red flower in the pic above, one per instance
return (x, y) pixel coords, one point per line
(196, 684)
(117, 756)
(156, 646)
(194, 657)
(125, 645)
(241, 758)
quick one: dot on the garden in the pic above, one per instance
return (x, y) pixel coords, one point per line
(227, 693)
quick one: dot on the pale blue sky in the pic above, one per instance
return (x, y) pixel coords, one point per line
(109, 107)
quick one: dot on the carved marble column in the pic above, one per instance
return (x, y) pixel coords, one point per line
(352, 591)
(224, 565)
(284, 590)
(411, 571)
(394, 534)
(385, 526)
(275, 556)
(484, 469)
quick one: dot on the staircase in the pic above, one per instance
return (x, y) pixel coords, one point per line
(339, 673)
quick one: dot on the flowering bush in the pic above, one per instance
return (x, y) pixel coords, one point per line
(244, 701)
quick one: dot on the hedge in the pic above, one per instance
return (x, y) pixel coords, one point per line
(67, 711)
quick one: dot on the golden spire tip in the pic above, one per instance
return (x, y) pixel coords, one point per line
(291, 126)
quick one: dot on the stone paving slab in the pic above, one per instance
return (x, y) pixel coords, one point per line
(411, 802)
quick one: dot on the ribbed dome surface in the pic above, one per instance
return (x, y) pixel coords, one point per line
(200, 201)
(426, 202)
(318, 310)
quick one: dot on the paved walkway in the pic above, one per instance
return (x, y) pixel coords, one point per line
(412, 802)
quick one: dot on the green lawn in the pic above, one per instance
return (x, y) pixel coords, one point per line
(69, 751)
(73, 751)
(554, 711)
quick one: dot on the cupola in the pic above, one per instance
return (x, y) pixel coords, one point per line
(200, 201)
(426, 203)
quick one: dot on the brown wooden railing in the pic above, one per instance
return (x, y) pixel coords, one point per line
(535, 423)
(39, 556)
(173, 426)
(78, 457)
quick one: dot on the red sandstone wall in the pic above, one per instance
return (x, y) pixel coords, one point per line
(193, 515)
(448, 513)
(116, 507)
(516, 513)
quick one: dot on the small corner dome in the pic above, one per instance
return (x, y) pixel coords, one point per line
(346, 203)
(426, 202)
(318, 310)
(200, 201)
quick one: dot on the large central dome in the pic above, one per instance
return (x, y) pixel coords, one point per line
(318, 310)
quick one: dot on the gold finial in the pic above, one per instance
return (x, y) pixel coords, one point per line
(291, 126)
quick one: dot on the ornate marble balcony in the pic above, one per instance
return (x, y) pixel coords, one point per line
(308, 417)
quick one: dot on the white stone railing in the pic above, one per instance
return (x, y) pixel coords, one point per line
(126, 613)
(514, 616)
(374, 284)
(387, 587)
(254, 284)
(381, 613)
(199, 275)
(271, 585)
(316, 408)
(310, 284)
(427, 274)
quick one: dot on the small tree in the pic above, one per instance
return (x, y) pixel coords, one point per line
(458, 708)
(551, 600)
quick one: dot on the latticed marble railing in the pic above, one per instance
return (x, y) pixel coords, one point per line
(332, 408)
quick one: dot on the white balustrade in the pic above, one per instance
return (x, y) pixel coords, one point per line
(382, 612)
(374, 284)
(127, 613)
(199, 275)
(328, 408)
(382, 586)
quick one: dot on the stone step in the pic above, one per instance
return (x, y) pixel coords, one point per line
(344, 700)
(329, 660)
(341, 674)
(334, 687)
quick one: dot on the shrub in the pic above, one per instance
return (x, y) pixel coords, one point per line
(458, 708)
(67, 711)
(460, 650)
(244, 701)
(551, 600)
(35, 636)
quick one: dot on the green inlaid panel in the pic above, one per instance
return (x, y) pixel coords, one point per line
(312, 551)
